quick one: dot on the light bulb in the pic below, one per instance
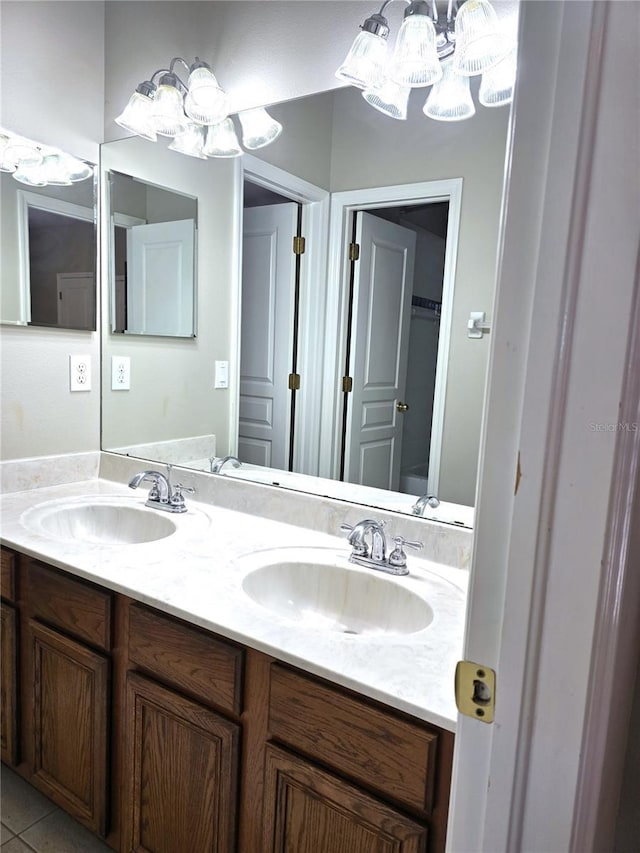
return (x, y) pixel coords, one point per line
(222, 140)
(205, 102)
(258, 128)
(450, 98)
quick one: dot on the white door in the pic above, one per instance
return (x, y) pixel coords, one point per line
(379, 347)
(160, 278)
(76, 300)
(268, 281)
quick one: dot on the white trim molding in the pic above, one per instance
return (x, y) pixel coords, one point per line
(545, 540)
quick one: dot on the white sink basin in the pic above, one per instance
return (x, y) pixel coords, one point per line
(320, 592)
(99, 521)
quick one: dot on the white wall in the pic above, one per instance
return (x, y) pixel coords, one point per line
(261, 53)
(370, 150)
(172, 394)
(52, 85)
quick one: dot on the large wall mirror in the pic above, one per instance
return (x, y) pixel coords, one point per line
(48, 248)
(427, 196)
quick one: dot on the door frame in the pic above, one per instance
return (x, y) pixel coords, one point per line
(343, 204)
(553, 553)
(315, 225)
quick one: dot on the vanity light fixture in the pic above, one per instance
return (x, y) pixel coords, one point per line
(435, 48)
(195, 114)
(38, 165)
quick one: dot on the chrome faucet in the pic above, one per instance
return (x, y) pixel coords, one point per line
(376, 556)
(161, 495)
(426, 500)
(357, 539)
(216, 464)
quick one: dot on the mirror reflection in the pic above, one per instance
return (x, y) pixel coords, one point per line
(352, 158)
(48, 247)
(153, 236)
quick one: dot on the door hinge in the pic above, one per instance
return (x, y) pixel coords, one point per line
(294, 382)
(354, 251)
(475, 687)
(347, 384)
(299, 245)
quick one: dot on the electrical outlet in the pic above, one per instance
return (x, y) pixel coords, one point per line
(120, 373)
(79, 373)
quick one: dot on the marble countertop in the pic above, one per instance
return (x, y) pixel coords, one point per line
(196, 574)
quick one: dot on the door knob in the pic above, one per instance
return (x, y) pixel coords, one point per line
(402, 407)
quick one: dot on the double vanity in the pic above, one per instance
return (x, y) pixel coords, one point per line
(228, 680)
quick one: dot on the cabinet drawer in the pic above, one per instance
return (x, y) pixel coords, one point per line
(8, 574)
(80, 609)
(374, 746)
(208, 668)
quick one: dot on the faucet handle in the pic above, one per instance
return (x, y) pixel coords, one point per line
(177, 498)
(397, 557)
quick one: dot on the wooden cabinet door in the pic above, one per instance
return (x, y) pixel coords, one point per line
(307, 810)
(8, 685)
(69, 737)
(181, 771)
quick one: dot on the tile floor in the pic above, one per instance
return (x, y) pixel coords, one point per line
(31, 822)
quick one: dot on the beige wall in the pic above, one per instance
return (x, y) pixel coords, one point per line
(52, 89)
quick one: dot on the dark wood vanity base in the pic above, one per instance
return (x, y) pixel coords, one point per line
(162, 737)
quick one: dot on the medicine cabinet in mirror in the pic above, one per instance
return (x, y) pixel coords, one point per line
(48, 247)
(337, 162)
(153, 256)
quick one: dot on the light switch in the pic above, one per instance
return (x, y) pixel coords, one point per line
(222, 374)
(120, 373)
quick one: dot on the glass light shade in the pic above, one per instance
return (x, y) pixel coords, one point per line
(365, 63)
(78, 170)
(450, 99)
(31, 174)
(391, 99)
(496, 86)
(136, 116)
(190, 141)
(5, 165)
(258, 128)
(22, 152)
(415, 60)
(222, 140)
(167, 114)
(54, 170)
(480, 43)
(205, 102)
